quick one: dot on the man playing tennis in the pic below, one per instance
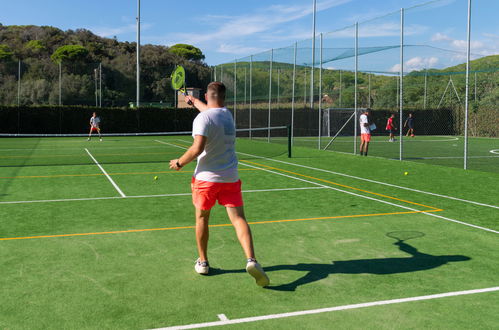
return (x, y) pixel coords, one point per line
(365, 132)
(94, 126)
(216, 177)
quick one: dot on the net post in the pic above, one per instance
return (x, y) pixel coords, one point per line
(235, 92)
(289, 140)
(250, 91)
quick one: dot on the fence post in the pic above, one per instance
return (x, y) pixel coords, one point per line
(250, 92)
(320, 93)
(235, 92)
(466, 102)
(293, 94)
(270, 90)
(401, 102)
(355, 93)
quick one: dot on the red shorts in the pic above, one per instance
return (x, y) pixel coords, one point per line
(93, 128)
(205, 194)
(364, 137)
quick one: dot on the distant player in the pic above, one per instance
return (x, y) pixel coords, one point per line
(216, 177)
(390, 127)
(409, 122)
(365, 132)
(94, 126)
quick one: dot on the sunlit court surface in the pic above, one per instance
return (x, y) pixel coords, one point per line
(97, 242)
(367, 144)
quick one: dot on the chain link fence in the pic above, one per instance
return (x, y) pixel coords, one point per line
(395, 64)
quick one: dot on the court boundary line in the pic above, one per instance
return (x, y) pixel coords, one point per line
(107, 175)
(145, 196)
(332, 309)
(374, 181)
(425, 212)
(211, 226)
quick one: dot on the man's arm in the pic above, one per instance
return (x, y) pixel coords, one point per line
(197, 103)
(192, 153)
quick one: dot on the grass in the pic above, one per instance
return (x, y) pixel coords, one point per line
(320, 222)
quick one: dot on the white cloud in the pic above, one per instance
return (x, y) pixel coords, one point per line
(416, 64)
(238, 49)
(486, 46)
(107, 32)
(440, 37)
(260, 25)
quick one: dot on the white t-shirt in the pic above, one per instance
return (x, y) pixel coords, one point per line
(94, 121)
(218, 161)
(363, 120)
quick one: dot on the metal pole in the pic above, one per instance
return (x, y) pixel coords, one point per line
(401, 102)
(305, 89)
(369, 101)
(244, 86)
(340, 88)
(137, 103)
(221, 74)
(313, 58)
(425, 89)
(19, 83)
(466, 102)
(235, 92)
(270, 90)
(355, 93)
(293, 95)
(95, 92)
(475, 90)
(100, 84)
(278, 83)
(320, 94)
(215, 69)
(60, 83)
(250, 92)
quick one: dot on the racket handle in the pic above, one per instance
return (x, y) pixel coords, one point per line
(188, 102)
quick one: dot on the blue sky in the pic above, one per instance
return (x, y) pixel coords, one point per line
(225, 30)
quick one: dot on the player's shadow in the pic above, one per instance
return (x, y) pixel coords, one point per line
(314, 272)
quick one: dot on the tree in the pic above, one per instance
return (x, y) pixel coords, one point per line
(188, 52)
(69, 52)
(5, 53)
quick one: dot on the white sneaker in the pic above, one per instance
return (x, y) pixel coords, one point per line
(100, 139)
(202, 267)
(254, 269)
(88, 139)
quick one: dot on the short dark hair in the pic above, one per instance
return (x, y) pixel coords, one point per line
(218, 89)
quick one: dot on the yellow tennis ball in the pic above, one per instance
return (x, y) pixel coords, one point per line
(155, 178)
(406, 173)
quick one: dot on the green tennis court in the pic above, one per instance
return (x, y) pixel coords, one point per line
(88, 239)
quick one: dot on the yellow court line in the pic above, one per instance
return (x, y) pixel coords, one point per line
(99, 174)
(338, 184)
(219, 225)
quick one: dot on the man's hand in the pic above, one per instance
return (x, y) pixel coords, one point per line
(189, 99)
(173, 165)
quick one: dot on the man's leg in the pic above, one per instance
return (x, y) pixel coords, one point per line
(243, 231)
(202, 233)
(366, 148)
(98, 131)
(90, 134)
(362, 144)
(236, 215)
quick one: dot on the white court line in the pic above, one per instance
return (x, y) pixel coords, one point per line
(146, 196)
(374, 181)
(351, 193)
(222, 317)
(494, 151)
(331, 309)
(107, 175)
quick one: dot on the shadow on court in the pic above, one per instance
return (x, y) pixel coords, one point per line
(314, 272)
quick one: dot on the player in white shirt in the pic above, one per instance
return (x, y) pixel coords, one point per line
(94, 126)
(365, 132)
(216, 177)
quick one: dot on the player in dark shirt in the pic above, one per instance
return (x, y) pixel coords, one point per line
(409, 122)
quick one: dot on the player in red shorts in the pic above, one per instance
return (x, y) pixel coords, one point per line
(390, 127)
(216, 177)
(94, 126)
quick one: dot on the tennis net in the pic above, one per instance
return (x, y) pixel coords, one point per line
(19, 150)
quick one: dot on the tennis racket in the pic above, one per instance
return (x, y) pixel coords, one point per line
(402, 236)
(178, 80)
